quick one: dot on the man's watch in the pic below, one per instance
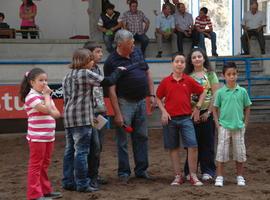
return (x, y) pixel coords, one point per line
(152, 95)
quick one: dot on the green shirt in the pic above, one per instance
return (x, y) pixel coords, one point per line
(231, 103)
(206, 81)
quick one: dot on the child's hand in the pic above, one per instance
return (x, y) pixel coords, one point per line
(47, 90)
(165, 117)
(122, 68)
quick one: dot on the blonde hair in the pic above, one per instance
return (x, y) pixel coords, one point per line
(81, 57)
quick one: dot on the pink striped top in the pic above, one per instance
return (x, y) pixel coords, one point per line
(41, 126)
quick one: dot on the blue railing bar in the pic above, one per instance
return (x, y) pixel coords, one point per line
(29, 62)
(248, 76)
(259, 97)
(237, 59)
(148, 61)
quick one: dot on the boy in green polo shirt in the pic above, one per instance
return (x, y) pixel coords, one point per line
(231, 114)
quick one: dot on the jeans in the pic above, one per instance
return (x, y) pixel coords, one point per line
(75, 165)
(95, 151)
(108, 40)
(213, 41)
(134, 114)
(181, 36)
(205, 133)
(143, 39)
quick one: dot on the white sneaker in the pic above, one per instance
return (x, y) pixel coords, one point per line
(178, 180)
(219, 181)
(206, 177)
(240, 181)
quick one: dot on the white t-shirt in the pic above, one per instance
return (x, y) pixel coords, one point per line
(254, 21)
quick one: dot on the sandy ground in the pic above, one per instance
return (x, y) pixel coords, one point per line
(14, 156)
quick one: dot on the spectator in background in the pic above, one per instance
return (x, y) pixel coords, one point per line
(172, 6)
(184, 27)
(164, 27)
(137, 23)
(3, 25)
(253, 23)
(204, 29)
(108, 24)
(28, 12)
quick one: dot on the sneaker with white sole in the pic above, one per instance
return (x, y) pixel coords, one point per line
(206, 177)
(178, 180)
(240, 181)
(193, 179)
(219, 181)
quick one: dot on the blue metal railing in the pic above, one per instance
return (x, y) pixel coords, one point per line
(248, 77)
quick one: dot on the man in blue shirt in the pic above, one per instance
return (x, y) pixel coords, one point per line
(129, 104)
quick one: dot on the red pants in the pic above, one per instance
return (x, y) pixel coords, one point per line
(38, 183)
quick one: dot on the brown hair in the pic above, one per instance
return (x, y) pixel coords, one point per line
(81, 57)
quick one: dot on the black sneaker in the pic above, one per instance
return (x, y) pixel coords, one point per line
(54, 195)
(159, 55)
(215, 54)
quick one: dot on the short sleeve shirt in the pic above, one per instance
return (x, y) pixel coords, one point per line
(165, 23)
(177, 94)
(231, 104)
(183, 21)
(203, 22)
(254, 21)
(133, 84)
(209, 79)
(134, 21)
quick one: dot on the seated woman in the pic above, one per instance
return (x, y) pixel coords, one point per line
(28, 11)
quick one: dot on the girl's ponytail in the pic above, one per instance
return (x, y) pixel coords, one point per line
(25, 87)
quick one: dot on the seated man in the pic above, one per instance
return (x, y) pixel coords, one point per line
(164, 27)
(3, 25)
(253, 23)
(184, 27)
(109, 23)
(137, 23)
(204, 29)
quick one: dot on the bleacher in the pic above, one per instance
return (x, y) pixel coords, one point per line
(53, 56)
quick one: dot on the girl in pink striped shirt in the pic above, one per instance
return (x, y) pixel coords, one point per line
(41, 112)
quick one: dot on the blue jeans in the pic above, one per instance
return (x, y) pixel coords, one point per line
(95, 151)
(205, 133)
(108, 40)
(213, 42)
(75, 165)
(134, 114)
(143, 39)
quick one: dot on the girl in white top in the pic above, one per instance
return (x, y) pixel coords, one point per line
(41, 112)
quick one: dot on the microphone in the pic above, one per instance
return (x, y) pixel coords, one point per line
(127, 128)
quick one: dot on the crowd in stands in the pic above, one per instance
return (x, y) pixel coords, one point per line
(172, 22)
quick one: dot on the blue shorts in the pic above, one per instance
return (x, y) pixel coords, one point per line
(179, 131)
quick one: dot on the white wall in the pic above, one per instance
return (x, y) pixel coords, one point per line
(57, 19)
